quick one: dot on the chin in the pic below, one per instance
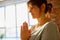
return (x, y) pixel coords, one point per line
(34, 17)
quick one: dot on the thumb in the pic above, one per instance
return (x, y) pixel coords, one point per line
(30, 32)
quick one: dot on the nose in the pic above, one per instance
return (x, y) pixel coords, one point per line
(30, 10)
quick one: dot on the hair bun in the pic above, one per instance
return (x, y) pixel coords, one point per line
(49, 5)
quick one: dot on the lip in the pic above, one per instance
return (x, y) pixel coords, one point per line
(32, 14)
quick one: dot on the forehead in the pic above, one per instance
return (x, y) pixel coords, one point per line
(29, 4)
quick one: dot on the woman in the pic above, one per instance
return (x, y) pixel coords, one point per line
(45, 29)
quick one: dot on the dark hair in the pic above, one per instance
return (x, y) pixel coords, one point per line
(38, 3)
(49, 7)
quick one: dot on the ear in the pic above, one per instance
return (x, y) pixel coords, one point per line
(43, 6)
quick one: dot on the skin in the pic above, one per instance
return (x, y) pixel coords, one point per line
(37, 13)
(25, 33)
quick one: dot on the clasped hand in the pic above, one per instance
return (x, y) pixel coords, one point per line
(25, 32)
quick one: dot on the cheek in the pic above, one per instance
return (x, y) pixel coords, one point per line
(33, 11)
(36, 11)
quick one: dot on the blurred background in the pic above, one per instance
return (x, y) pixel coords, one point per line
(14, 12)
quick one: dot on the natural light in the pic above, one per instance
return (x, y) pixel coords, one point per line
(12, 17)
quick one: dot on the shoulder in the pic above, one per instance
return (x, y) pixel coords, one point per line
(51, 28)
(51, 25)
(51, 31)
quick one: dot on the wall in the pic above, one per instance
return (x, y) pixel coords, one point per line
(56, 6)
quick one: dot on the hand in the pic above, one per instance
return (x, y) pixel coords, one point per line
(25, 33)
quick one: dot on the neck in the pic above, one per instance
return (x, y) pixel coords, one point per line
(42, 20)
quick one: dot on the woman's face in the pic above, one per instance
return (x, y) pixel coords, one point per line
(34, 10)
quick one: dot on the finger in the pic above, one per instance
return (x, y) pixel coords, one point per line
(25, 25)
(21, 34)
(21, 28)
(29, 32)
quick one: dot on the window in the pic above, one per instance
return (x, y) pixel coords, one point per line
(12, 17)
(2, 17)
(10, 21)
(22, 15)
